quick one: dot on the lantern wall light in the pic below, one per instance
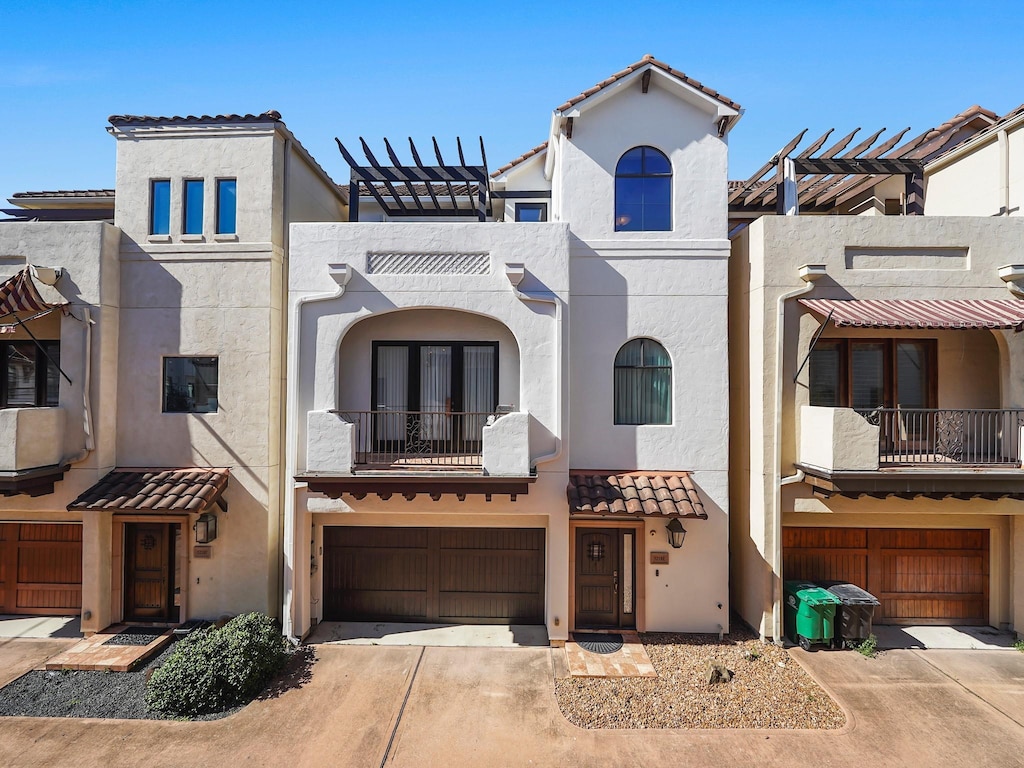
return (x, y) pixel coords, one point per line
(205, 528)
(676, 533)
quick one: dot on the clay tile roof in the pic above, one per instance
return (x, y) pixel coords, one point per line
(634, 494)
(271, 114)
(65, 193)
(648, 59)
(521, 159)
(190, 490)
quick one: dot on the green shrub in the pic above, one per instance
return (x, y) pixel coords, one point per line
(1019, 645)
(868, 648)
(213, 669)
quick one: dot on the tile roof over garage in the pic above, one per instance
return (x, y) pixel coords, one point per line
(155, 490)
(634, 494)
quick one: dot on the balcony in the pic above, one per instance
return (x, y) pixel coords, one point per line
(31, 450)
(411, 452)
(946, 451)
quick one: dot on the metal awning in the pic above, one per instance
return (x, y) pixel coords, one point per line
(19, 294)
(940, 314)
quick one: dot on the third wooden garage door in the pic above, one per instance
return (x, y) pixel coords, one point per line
(921, 576)
(451, 575)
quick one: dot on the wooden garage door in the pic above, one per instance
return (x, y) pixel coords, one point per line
(456, 575)
(921, 576)
(40, 568)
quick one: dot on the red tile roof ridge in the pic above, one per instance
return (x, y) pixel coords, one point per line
(270, 114)
(521, 159)
(647, 59)
(64, 193)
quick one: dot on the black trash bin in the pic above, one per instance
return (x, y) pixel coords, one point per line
(856, 612)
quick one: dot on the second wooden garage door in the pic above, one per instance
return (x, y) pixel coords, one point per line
(40, 568)
(452, 575)
(921, 576)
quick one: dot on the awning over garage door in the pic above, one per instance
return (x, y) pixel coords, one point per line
(921, 576)
(449, 575)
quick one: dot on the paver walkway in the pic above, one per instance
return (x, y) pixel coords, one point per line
(485, 707)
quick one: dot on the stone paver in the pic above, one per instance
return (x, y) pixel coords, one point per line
(94, 654)
(495, 707)
(629, 661)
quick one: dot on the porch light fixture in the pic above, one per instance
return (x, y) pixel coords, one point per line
(205, 528)
(676, 533)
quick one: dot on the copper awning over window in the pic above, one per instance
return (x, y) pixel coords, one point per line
(634, 494)
(936, 314)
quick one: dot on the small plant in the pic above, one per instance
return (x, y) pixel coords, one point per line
(867, 648)
(214, 669)
(1019, 645)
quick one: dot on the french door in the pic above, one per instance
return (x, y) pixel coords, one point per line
(429, 395)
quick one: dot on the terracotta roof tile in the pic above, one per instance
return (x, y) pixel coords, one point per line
(271, 114)
(634, 494)
(521, 159)
(64, 193)
(192, 489)
(648, 59)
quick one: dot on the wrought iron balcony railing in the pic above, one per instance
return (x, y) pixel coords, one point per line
(945, 436)
(412, 439)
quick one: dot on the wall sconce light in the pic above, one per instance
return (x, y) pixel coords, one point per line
(676, 533)
(205, 528)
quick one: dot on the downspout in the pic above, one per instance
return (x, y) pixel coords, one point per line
(90, 442)
(515, 274)
(341, 274)
(809, 274)
(283, 481)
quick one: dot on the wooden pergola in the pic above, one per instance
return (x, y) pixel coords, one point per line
(419, 189)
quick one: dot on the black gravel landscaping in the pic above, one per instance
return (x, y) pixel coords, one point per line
(134, 636)
(73, 693)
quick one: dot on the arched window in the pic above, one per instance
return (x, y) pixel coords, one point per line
(643, 191)
(643, 383)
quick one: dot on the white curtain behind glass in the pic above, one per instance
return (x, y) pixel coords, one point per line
(477, 389)
(392, 392)
(436, 391)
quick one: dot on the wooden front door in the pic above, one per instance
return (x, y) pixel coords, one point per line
(149, 558)
(604, 578)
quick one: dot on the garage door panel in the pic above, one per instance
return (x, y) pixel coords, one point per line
(926, 576)
(490, 575)
(40, 568)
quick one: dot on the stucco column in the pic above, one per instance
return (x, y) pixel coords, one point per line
(558, 576)
(301, 592)
(96, 576)
(1017, 576)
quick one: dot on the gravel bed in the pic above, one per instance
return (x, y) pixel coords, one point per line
(768, 689)
(134, 636)
(76, 693)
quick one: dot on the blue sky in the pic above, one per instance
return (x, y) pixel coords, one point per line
(470, 69)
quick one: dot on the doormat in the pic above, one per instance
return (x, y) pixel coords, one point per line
(134, 636)
(597, 643)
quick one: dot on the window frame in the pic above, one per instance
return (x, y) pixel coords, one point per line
(668, 407)
(889, 362)
(185, 199)
(618, 214)
(413, 373)
(163, 383)
(219, 206)
(153, 208)
(52, 347)
(542, 207)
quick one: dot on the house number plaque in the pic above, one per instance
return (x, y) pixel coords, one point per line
(659, 558)
(201, 552)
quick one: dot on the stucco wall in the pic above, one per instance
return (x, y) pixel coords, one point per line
(982, 179)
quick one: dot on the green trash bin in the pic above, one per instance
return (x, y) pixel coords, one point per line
(810, 613)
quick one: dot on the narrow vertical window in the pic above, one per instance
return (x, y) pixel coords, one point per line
(160, 207)
(226, 206)
(193, 207)
(643, 383)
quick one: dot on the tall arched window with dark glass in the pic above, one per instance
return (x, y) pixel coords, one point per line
(643, 383)
(643, 191)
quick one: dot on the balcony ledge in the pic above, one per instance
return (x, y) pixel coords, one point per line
(38, 481)
(435, 484)
(910, 482)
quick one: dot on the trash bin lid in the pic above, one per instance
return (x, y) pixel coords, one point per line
(811, 593)
(851, 594)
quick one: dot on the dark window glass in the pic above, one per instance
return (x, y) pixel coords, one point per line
(193, 205)
(867, 375)
(531, 211)
(160, 207)
(51, 382)
(643, 191)
(226, 206)
(190, 384)
(21, 373)
(643, 383)
(912, 374)
(825, 371)
(29, 374)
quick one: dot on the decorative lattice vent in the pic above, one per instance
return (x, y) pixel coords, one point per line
(428, 263)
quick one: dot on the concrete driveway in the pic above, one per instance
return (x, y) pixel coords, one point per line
(481, 707)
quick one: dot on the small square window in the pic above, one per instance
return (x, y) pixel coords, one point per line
(190, 384)
(531, 211)
(160, 207)
(193, 207)
(226, 206)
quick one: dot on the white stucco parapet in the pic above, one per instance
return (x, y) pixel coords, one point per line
(837, 439)
(331, 442)
(31, 437)
(507, 446)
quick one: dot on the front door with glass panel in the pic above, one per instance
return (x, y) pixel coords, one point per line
(431, 397)
(605, 578)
